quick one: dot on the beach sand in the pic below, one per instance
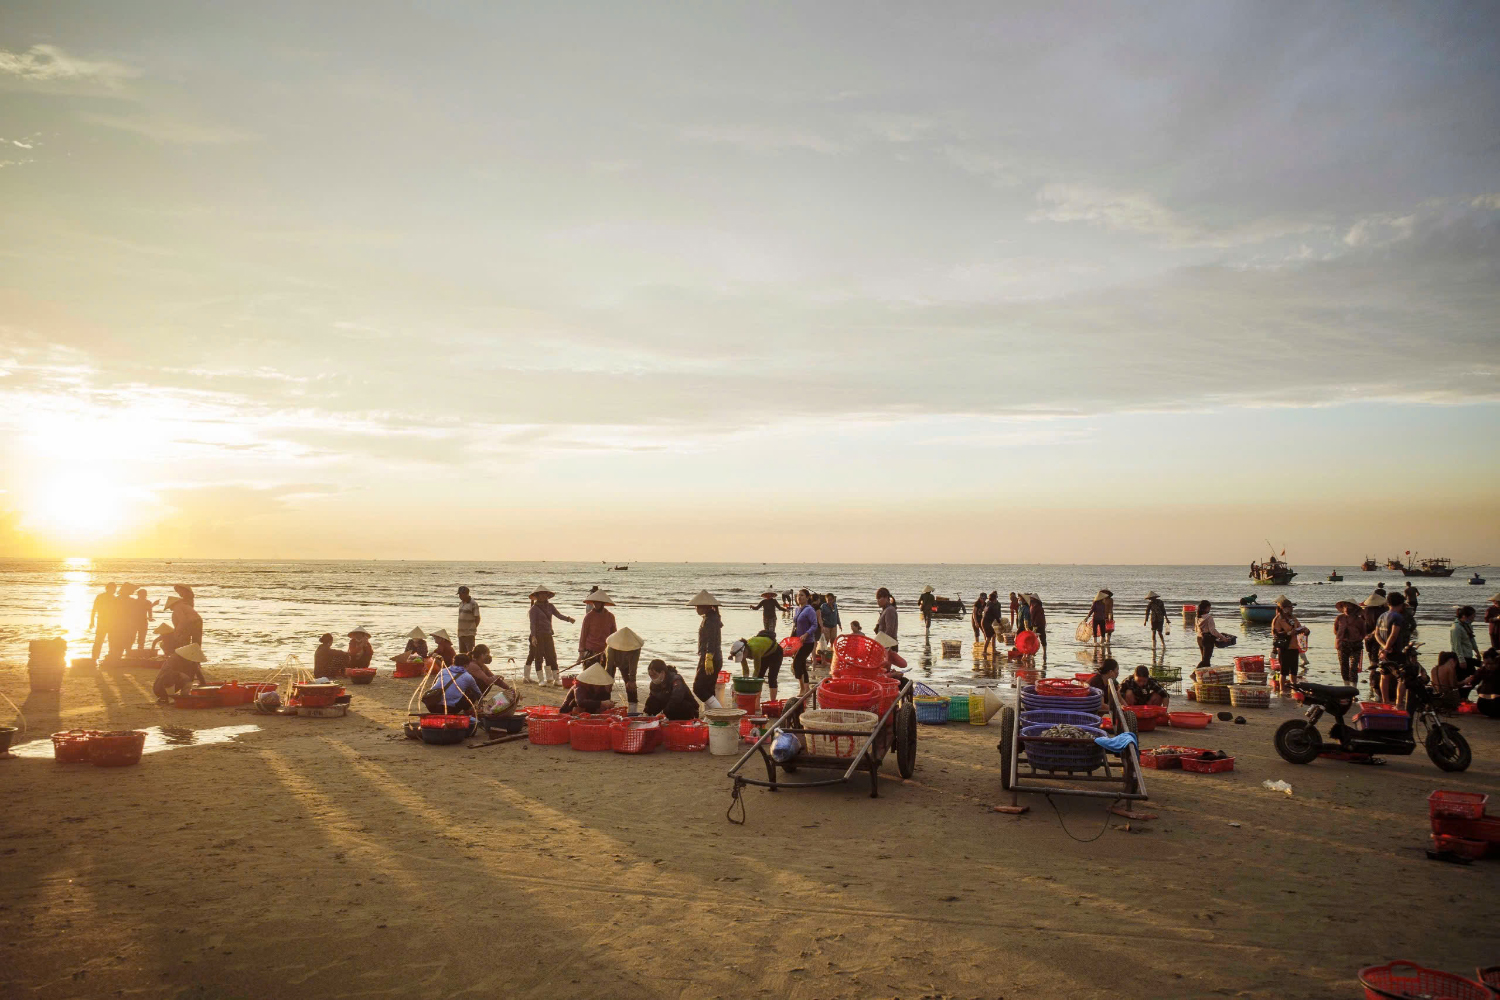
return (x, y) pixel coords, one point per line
(334, 858)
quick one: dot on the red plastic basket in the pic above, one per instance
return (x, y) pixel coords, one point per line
(774, 708)
(1405, 980)
(235, 693)
(1027, 642)
(72, 746)
(1206, 766)
(591, 732)
(117, 749)
(1443, 804)
(858, 656)
(1057, 687)
(1162, 759)
(1487, 830)
(1464, 847)
(361, 675)
(446, 722)
(854, 693)
(1189, 720)
(547, 728)
(638, 735)
(685, 735)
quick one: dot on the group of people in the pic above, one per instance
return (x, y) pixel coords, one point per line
(989, 618)
(120, 617)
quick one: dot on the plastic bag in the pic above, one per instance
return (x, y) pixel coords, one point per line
(1277, 786)
(785, 746)
(495, 702)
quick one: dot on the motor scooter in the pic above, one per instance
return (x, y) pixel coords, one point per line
(1298, 741)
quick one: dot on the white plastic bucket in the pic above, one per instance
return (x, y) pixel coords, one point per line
(724, 737)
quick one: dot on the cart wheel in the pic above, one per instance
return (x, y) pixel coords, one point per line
(906, 740)
(1131, 725)
(1007, 737)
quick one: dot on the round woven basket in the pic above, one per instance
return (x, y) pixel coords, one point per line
(858, 725)
(1249, 696)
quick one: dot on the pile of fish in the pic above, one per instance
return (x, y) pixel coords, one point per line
(1068, 733)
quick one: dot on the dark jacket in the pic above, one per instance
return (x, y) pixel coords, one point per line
(588, 698)
(670, 696)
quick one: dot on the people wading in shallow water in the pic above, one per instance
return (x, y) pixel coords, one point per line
(1038, 621)
(1156, 617)
(976, 618)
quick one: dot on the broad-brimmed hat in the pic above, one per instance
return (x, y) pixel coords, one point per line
(596, 674)
(1345, 604)
(624, 640)
(416, 633)
(1285, 602)
(1374, 601)
(164, 629)
(884, 640)
(599, 597)
(359, 631)
(1150, 594)
(192, 652)
(538, 592)
(1495, 599)
(769, 593)
(1101, 595)
(442, 633)
(927, 589)
(171, 600)
(704, 599)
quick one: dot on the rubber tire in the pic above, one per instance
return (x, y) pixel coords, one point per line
(1132, 724)
(1298, 750)
(1465, 755)
(906, 740)
(1007, 736)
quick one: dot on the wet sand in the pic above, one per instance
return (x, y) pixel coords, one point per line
(334, 858)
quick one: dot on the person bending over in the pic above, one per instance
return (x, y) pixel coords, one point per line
(1108, 671)
(592, 693)
(760, 656)
(181, 669)
(453, 692)
(1143, 689)
(669, 694)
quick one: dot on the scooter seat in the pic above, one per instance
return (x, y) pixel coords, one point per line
(1332, 692)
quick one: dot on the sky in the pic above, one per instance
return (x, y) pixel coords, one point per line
(772, 281)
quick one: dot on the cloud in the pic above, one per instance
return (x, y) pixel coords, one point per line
(763, 138)
(1138, 212)
(167, 128)
(48, 63)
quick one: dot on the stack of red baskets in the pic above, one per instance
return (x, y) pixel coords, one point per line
(545, 726)
(858, 656)
(685, 735)
(858, 694)
(1460, 824)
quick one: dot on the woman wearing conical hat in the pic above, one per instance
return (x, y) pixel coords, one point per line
(543, 646)
(622, 656)
(598, 625)
(416, 642)
(710, 648)
(182, 667)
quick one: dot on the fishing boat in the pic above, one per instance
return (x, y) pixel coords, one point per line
(1437, 566)
(1274, 572)
(1395, 566)
(1369, 565)
(947, 607)
(1259, 614)
(1335, 577)
(1476, 580)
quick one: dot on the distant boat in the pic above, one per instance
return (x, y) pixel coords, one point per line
(1438, 566)
(621, 569)
(1395, 565)
(1272, 573)
(1476, 580)
(947, 607)
(1369, 565)
(1260, 614)
(1335, 577)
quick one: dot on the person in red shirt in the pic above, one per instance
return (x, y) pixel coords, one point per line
(598, 625)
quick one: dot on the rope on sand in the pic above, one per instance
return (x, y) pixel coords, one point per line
(1070, 833)
(20, 714)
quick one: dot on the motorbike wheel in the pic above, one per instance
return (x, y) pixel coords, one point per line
(1452, 754)
(1298, 742)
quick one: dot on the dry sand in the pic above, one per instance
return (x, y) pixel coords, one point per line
(334, 858)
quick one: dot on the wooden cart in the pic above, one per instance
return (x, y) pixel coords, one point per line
(1117, 778)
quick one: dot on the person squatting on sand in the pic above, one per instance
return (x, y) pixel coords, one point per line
(543, 645)
(669, 694)
(442, 647)
(1143, 689)
(710, 646)
(179, 672)
(622, 655)
(592, 694)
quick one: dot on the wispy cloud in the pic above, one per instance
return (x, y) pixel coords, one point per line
(167, 128)
(48, 63)
(758, 138)
(1139, 212)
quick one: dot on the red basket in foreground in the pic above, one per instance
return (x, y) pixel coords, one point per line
(1443, 804)
(1189, 720)
(1402, 980)
(72, 746)
(117, 749)
(685, 735)
(545, 727)
(638, 735)
(858, 655)
(1190, 763)
(857, 694)
(590, 732)
(1057, 687)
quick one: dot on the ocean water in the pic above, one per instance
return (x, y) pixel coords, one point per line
(257, 612)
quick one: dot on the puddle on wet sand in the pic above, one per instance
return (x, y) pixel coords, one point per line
(157, 738)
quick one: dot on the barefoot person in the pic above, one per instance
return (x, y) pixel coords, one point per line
(1156, 617)
(1285, 632)
(1348, 635)
(102, 617)
(1208, 634)
(1142, 689)
(769, 608)
(468, 620)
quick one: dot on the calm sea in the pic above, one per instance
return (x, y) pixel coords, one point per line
(255, 613)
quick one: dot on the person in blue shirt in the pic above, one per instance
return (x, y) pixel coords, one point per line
(1392, 632)
(453, 691)
(829, 619)
(806, 628)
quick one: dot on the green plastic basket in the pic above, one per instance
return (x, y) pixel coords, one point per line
(958, 708)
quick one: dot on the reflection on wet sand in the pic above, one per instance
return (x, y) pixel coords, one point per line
(158, 738)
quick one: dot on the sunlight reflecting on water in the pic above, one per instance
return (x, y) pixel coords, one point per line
(158, 738)
(75, 600)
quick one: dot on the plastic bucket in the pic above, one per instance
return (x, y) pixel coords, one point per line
(749, 685)
(749, 703)
(724, 737)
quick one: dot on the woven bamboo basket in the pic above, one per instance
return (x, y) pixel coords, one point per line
(1249, 696)
(1251, 677)
(1212, 694)
(858, 726)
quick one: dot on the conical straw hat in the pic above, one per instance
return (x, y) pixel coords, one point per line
(442, 633)
(1375, 601)
(598, 597)
(192, 652)
(596, 674)
(704, 599)
(884, 640)
(624, 640)
(543, 590)
(164, 629)
(416, 633)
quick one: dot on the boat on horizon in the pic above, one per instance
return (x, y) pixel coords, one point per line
(1395, 565)
(1476, 580)
(1335, 577)
(1274, 572)
(1369, 565)
(1436, 566)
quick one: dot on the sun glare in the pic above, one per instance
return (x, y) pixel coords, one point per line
(76, 464)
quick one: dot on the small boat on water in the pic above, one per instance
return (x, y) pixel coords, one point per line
(1438, 566)
(1335, 577)
(1395, 565)
(948, 607)
(1369, 565)
(1259, 614)
(1476, 580)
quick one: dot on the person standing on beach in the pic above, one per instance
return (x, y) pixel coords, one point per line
(887, 620)
(1410, 592)
(1023, 615)
(598, 626)
(925, 605)
(1349, 635)
(768, 607)
(468, 620)
(1208, 634)
(542, 643)
(977, 617)
(1285, 629)
(1391, 634)
(122, 622)
(1156, 617)
(710, 648)
(1492, 621)
(993, 625)
(102, 617)
(1461, 640)
(1099, 618)
(1038, 621)
(829, 619)
(1373, 607)
(805, 628)
(140, 617)
(1015, 610)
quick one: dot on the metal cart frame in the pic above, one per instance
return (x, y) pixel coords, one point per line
(1126, 776)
